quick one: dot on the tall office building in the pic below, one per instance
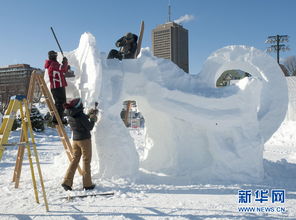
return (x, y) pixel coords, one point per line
(170, 41)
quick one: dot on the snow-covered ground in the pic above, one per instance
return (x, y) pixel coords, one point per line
(205, 153)
(147, 198)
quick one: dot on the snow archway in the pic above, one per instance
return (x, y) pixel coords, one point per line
(198, 131)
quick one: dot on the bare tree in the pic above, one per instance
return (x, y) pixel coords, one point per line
(290, 64)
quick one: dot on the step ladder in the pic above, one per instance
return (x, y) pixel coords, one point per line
(19, 103)
(38, 80)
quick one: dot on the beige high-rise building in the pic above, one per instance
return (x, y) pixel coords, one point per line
(170, 41)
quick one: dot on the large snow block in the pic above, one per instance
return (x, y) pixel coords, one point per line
(198, 131)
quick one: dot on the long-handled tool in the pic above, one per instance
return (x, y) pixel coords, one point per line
(55, 37)
(70, 72)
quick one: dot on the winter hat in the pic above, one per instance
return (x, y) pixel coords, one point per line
(129, 35)
(74, 103)
(52, 55)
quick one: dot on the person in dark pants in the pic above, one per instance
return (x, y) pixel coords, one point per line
(128, 47)
(56, 73)
(81, 125)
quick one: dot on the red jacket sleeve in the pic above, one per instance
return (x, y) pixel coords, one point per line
(47, 64)
(64, 67)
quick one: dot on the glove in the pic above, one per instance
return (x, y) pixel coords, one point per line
(92, 112)
(65, 60)
(121, 42)
(117, 44)
(93, 118)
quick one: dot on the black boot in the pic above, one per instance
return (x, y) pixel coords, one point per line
(66, 187)
(90, 187)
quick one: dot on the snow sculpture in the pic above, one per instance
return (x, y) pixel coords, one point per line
(291, 112)
(199, 131)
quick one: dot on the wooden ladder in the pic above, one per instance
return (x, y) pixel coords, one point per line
(37, 77)
(19, 103)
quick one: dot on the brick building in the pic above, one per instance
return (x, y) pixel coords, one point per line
(14, 80)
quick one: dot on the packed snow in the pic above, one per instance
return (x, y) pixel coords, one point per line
(291, 115)
(200, 144)
(198, 131)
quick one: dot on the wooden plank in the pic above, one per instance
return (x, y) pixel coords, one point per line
(140, 40)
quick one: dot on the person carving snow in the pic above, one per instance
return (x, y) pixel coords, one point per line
(56, 73)
(128, 47)
(81, 125)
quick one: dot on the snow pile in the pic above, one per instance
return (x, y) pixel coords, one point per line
(198, 131)
(285, 136)
(291, 81)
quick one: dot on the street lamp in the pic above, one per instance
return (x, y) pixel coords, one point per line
(277, 47)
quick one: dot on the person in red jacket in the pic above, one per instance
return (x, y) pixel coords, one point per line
(56, 73)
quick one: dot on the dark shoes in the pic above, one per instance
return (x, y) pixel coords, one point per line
(90, 187)
(66, 187)
(69, 188)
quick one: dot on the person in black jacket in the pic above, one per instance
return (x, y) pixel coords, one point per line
(81, 125)
(128, 47)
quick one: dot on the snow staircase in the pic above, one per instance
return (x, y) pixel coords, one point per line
(19, 103)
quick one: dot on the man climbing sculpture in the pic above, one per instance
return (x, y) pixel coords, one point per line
(128, 47)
